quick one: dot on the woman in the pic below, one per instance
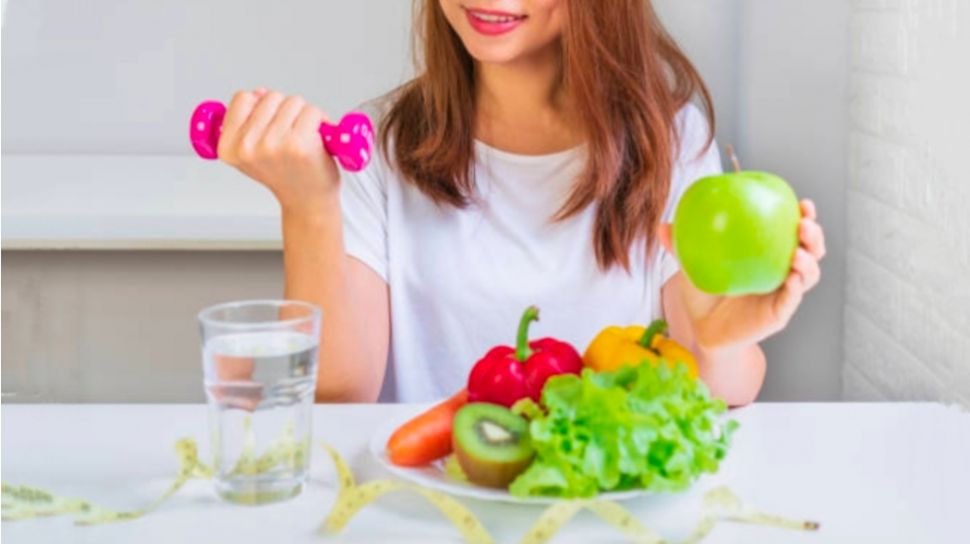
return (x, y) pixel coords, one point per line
(535, 159)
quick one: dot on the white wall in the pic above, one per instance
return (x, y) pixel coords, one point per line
(907, 313)
(119, 77)
(793, 64)
(122, 76)
(707, 30)
(112, 76)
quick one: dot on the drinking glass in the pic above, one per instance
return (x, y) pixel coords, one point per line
(259, 361)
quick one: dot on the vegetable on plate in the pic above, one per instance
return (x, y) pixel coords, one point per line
(614, 347)
(427, 436)
(642, 427)
(506, 374)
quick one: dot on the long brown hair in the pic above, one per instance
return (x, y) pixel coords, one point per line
(627, 80)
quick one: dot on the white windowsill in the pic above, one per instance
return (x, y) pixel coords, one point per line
(129, 202)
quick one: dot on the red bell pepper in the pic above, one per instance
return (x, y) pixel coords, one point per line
(505, 374)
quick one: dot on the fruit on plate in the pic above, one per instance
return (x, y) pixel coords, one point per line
(736, 233)
(491, 443)
(427, 436)
(614, 347)
(506, 374)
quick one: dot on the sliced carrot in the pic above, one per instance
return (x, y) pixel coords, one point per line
(426, 437)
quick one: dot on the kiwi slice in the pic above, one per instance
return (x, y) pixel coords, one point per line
(491, 443)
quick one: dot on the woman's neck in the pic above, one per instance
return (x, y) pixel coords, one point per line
(521, 106)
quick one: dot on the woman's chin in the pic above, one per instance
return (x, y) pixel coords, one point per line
(494, 54)
(505, 53)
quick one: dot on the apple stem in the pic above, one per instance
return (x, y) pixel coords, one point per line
(734, 159)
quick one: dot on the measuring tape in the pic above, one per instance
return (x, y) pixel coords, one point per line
(22, 502)
(720, 504)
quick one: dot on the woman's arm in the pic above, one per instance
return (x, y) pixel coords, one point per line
(274, 139)
(356, 315)
(733, 373)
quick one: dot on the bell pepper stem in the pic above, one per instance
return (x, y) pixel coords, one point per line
(659, 326)
(522, 351)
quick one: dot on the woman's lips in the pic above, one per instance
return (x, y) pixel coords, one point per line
(493, 23)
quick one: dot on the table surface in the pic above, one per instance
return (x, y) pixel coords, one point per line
(867, 472)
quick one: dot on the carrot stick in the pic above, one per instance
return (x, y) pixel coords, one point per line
(426, 437)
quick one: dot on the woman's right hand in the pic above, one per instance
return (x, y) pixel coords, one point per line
(275, 140)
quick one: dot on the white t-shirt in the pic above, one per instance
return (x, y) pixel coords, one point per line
(459, 279)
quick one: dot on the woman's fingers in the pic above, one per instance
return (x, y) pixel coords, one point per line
(806, 267)
(282, 123)
(308, 121)
(811, 237)
(238, 111)
(254, 127)
(804, 275)
(275, 140)
(787, 299)
(808, 209)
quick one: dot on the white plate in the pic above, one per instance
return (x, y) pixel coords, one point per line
(433, 476)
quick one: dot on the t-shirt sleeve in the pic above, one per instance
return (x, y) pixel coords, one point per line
(363, 197)
(695, 160)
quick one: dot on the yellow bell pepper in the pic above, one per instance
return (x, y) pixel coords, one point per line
(615, 346)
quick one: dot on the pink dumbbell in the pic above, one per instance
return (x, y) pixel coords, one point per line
(350, 142)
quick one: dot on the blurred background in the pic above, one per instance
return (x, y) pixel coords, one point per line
(114, 235)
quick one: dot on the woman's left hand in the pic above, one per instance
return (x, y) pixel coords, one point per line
(723, 322)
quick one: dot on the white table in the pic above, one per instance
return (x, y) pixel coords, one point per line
(867, 472)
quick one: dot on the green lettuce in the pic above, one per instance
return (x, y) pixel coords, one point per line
(644, 427)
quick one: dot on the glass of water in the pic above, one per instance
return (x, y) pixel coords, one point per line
(259, 360)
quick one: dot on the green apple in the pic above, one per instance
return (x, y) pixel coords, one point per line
(736, 233)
